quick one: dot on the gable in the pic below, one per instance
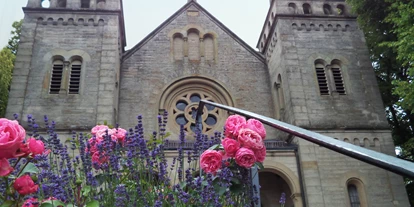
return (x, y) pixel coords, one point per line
(193, 10)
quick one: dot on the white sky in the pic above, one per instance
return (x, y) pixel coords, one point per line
(244, 17)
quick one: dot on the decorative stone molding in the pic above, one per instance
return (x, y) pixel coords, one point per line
(71, 21)
(321, 27)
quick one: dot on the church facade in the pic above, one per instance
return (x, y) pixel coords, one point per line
(311, 69)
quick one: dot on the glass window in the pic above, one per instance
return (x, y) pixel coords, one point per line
(353, 196)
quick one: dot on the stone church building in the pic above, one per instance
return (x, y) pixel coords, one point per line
(311, 69)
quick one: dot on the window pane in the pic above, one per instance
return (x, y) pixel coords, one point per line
(353, 196)
(211, 120)
(195, 98)
(181, 105)
(181, 120)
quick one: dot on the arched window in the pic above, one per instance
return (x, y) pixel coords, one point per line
(321, 77)
(356, 193)
(56, 77)
(75, 77)
(307, 9)
(327, 9)
(100, 4)
(292, 8)
(61, 3)
(85, 3)
(341, 9)
(178, 45)
(193, 44)
(337, 78)
(209, 47)
(45, 3)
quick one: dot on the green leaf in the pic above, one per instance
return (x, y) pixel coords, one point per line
(236, 188)
(214, 147)
(93, 203)
(259, 165)
(52, 203)
(235, 180)
(7, 204)
(30, 168)
(86, 190)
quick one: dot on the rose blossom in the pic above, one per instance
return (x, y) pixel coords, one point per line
(245, 157)
(99, 159)
(37, 147)
(11, 136)
(260, 154)
(256, 126)
(25, 185)
(98, 128)
(233, 124)
(94, 142)
(5, 168)
(31, 202)
(24, 150)
(250, 139)
(230, 146)
(119, 134)
(210, 161)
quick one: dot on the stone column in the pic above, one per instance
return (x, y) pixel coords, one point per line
(185, 46)
(74, 4)
(202, 50)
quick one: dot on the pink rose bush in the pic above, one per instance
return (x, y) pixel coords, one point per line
(11, 136)
(24, 185)
(5, 168)
(244, 144)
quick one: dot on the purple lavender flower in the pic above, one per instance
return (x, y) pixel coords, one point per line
(282, 200)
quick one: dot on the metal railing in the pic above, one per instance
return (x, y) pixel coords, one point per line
(381, 160)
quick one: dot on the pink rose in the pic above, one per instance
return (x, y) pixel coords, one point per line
(210, 161)
(11, 136)
(260, 154)
(94, 142)
(99, 159)
(25, 185)
(233, 124)
(31, 202)
(98, 128)
(37, 147)
(24, 150)
(119, 134)
(104, 132)
(5, 168)
(230, 146)
(256, 126)
(250, 139)
(245, 157)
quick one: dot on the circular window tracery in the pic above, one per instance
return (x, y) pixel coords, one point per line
(181, 100)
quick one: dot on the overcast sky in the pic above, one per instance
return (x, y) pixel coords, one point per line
(243, 17)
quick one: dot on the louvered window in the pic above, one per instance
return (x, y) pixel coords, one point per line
(75, 77)
(85, 3)
(353, 196)
(56, 77)
(322, 80)
(339, 82)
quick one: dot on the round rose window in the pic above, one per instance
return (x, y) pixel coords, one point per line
(181, 101)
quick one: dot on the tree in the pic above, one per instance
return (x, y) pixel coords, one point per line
(6, 68)
(386, 25)
(15, 39)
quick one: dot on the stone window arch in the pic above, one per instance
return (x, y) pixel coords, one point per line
(56, 75)
(337, 78)
(327, 9)
(356, 193)
(193, 44)
(292, 8)
(341, 9)
(307, 9)
(209, 49)
(178, 46)
(321, 77)
(181, 100)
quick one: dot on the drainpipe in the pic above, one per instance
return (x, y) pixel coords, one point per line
(302, 187)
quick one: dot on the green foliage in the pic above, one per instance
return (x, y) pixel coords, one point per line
(388, 26)
(13, 43)
(6, 68)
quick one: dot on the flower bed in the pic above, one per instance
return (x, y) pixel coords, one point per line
(112, 166)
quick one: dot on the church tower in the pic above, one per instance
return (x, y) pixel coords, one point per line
(68, 62)
(322, 80)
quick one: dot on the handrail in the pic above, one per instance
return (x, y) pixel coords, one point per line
(384, 161)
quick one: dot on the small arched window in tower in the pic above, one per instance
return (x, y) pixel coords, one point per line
(100, 4)
(341, 9)
(321, 77)
(56, 77)
(45, 3)
(75, 77)
(209, 47)
(292, 8)
(85, 3)
(61, 3)
(353, 195)
(178, 46)
(338, 80)
(307, 9)
(327, 9)
(193, 44)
